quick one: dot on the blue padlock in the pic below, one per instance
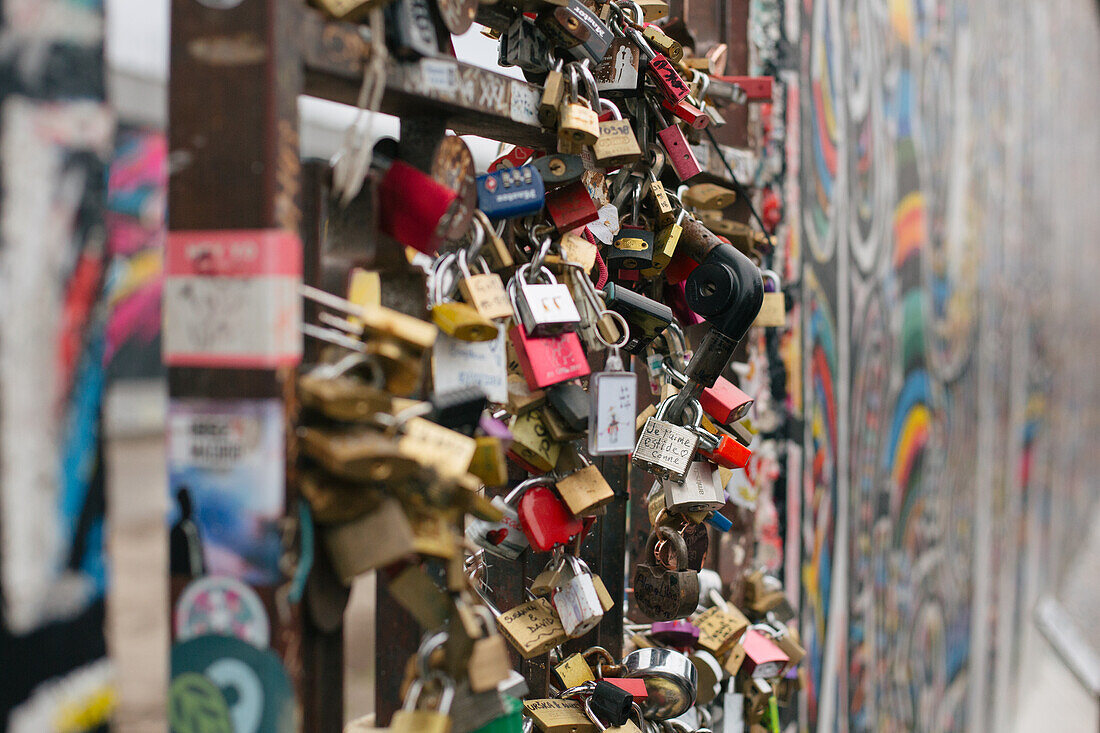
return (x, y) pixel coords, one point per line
(719, 522)
(510, 192)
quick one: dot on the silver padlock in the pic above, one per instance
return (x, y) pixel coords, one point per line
(670, 678)
(544, 308)
(577, 601)
(664, 449)
(505, 538)
(700, 491)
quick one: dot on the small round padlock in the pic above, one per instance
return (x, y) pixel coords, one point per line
(670, 678)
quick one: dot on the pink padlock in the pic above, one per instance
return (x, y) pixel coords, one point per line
(667, 80)
(681, 632)
(549, 360)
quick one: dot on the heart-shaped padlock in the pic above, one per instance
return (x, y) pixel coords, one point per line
(545, 519)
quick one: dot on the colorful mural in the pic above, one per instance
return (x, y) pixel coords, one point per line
(942, 196)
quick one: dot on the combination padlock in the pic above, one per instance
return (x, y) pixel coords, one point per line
(509, 193)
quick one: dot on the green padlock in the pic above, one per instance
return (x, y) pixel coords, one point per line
(510, 722)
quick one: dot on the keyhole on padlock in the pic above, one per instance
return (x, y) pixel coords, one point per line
(557, 166)
(709, 288)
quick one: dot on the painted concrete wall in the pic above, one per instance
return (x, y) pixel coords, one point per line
(942, 230)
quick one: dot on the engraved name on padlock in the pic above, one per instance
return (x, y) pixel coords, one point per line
(700, 491)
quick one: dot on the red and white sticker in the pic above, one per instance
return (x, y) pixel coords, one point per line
(231, 299)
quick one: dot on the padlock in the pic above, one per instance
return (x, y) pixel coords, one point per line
(411, 29)
(709, 196)
(525, 46)
(446, 451)
(341, 396)
(458, 409)
(670, 678)
(571, 403)
(720, 629)
(665, 247)
(463, 322)
(722, 449)
(662, 43)
(489, 663)
(544, 517)
(489, 463)
(472, 711)
(700, 491)
(613, 394)
(548, 360)
(532, 447)
(484, 291)
(410, 719)
(551, 715)
(585, 491)
(773, 311)
(679, 151)
(532, 628)
(617, 74)
(680, 633)
(667, 80)
(505, 538)
(576, 602)
(553, 94)
(578, 123)
(558, 169)
(510, 192)
(563, 25)
(631, 250)
(573, 671)
(660, 593)
(493, 250)
(357, 455)
(646, 317)
(617, 146)
(694, 116)
(763, 658)
(413, 207)
(571, 206)
(543, 308)
(786, 639)
(354, 547)
(350, 10)
(723, 402)
(609, 702)
(665, 449)
(662, 207)
(597, 36)
(653, 9)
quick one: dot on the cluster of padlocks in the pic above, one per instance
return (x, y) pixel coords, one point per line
(603, 251)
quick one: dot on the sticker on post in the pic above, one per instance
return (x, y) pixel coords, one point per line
(231, 299)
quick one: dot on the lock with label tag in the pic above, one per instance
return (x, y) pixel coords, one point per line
(576, 602)
(665, 449)
(505, 538)
(617, 74)
(410, 719)
(614, 394)
(510, 192)
(700, 491)
(585, 491)
(647, 318)
(544, 308)
(558, 169)
(578, 123)
(660, 593)
(571, 206)
(773, 311)
(617, 146)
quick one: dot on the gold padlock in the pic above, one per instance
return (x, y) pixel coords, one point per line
(493, 249)
(418, 594)
(720, 629)
(578, 124)
(463, 322)
(373, 541)
(662, 207)
(489, 463)
(616, 146)
(532, 628)
(558, 716)
(349, 10)
(553, 93)
(531, 441)
(357, 455)
(573, 671)
(333, 500)
(343, 397)
(773, 311)
(579, 251)
(584, 491)
(664, 247)
(663, 43)
(653, 10)
(708, 196)
(489, 663)
(447, 451)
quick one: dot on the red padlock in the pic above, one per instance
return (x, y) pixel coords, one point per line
(571, 206)
(728, 453)
(634, 685)
(688, 112)
(725, 403)
(680, 154)
(413, 207)
(679, 268)
(545, 519)
(667, 80)
(549, 360)
(514, 158)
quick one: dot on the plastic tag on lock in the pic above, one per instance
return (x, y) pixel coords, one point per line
(505, 538)
(457, 364)
(614, 397)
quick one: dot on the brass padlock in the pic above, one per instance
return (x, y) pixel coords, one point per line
(342, 397)
(370, 542)
(573, 671)
(334, 500)
(585, 491)
(663, 43)
(532, 628)
(489, 463)
(489, 663)
(484, 291)
(531, 442)
(662, 207)
(446, 451)
(616, 146)
(665, 247)
(418, 594)
(493, 249)
(720, 629)
(708, 196)
(773, 311)
(410, 719)
(578, 123)
(357, 455)
(558, 716)
(553, 94)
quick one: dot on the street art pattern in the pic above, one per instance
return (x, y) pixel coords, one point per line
(940, 204)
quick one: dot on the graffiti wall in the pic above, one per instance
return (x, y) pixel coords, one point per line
(940, 235)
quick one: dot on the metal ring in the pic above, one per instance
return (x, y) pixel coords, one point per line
(613, 315)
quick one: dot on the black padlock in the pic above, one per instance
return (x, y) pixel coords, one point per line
(572, 403)
(647, 317)
(460, 409)
(599, 36)
(525, 46)
(558, 169)
(632, 249)
(611, 703)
